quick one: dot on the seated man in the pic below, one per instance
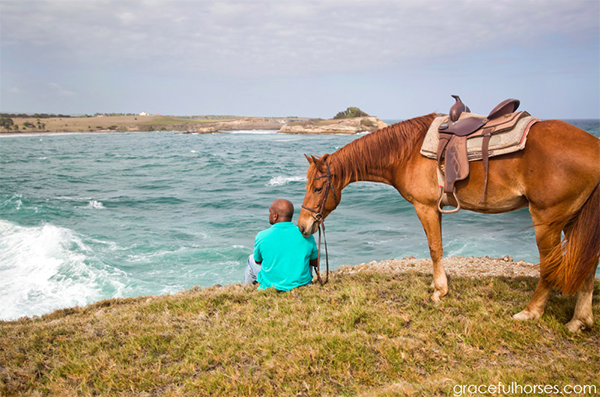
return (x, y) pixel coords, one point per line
(282, 255)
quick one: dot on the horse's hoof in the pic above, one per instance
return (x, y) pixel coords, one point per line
(436, 296)
(526, 316)
(575, 325)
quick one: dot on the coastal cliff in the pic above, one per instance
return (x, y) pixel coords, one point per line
(348, 126)
(353, 125)
(243, 123)
(196, 125)
(372, 330)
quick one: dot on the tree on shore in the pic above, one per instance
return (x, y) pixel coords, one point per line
(350, 113)
(6, 123)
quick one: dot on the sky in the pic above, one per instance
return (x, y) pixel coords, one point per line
(392, 59)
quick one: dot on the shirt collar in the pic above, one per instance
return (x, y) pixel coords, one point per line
(283, 225)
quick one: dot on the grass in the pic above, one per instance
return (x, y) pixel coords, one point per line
(360, 335)
(122, 123)
(169, 120)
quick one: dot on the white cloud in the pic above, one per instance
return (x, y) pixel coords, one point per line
(291, 38)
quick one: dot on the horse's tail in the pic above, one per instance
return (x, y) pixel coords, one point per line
(570, 262)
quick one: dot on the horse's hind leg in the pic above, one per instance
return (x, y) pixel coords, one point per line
(547, 237)
(537, 304)
(583, 317)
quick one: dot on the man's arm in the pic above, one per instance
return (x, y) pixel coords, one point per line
(314, 262)
(256, 251)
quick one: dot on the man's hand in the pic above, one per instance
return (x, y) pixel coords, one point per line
(314, 262)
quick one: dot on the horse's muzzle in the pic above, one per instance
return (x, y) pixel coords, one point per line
(309, 229)
(302, 230)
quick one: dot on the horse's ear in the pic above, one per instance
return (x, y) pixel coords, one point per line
(310, 160)
(320, 162)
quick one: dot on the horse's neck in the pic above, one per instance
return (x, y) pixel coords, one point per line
(364, 169)
(378, 175)
(383, 155)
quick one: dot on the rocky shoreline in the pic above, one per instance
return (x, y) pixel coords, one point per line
(355, 125)
(457, 266)
(197, 125)
(244, 123)
(349, 126)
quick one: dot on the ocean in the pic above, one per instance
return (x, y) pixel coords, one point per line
(86, 217)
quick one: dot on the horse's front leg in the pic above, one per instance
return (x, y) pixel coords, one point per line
(431, 220)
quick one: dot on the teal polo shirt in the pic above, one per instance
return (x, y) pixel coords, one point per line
(285, 254)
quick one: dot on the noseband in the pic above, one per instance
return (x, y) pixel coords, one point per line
(318, 217)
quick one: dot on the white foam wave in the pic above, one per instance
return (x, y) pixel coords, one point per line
(284, 180)
(153, 255)
(97, 205)
(43, 268)
(15, 203)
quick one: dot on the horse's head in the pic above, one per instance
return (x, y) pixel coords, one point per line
(323, 194)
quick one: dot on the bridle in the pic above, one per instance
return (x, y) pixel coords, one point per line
(318, 217)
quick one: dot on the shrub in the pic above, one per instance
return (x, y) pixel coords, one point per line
(6, 123)
(368, 123)
(349, 113)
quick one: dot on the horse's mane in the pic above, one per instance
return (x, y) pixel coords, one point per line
(378, 149)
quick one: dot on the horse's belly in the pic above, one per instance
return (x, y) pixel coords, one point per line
(499, 196)
(496, 206)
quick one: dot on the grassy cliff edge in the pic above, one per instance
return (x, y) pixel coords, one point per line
(371, 331)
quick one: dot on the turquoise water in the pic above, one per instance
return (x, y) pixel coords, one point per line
(85, 217)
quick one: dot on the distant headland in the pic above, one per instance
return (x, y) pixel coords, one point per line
(348, 122)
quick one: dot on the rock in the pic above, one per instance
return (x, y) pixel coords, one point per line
(243, 123)
(349, 126)
(289, 125)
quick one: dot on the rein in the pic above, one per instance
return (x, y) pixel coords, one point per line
(318, 217)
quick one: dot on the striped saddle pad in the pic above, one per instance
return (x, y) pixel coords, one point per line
(500, 143)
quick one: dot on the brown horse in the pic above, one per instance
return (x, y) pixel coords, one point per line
(557, 176)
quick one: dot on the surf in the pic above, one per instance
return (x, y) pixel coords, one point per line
(46, 267)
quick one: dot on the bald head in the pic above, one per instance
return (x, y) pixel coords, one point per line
(281, 211)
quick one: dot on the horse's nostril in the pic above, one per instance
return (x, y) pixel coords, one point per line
(302, 229)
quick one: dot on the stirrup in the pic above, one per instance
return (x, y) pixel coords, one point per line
(440, 206)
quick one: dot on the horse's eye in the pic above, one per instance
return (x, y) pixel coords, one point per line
(318, 189)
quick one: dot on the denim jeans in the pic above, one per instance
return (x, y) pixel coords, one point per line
(252, 269)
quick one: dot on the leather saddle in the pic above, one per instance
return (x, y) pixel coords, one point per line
(453, 164)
